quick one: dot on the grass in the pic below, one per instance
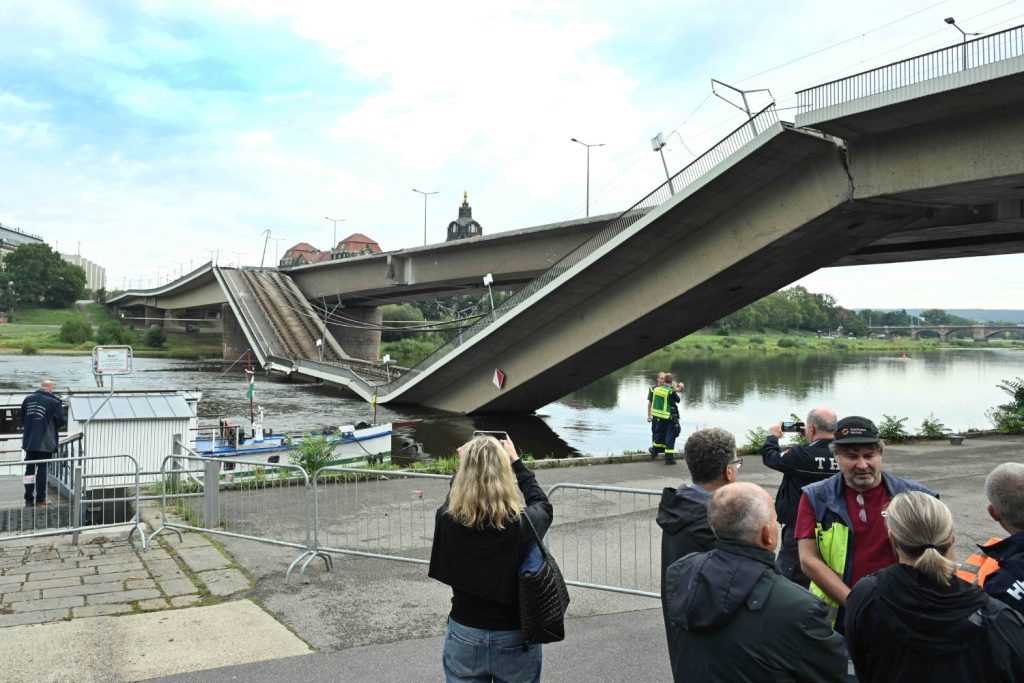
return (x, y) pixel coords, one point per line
(788, 342)
(40, 328)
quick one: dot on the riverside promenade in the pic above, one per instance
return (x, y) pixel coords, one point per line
(211, 608)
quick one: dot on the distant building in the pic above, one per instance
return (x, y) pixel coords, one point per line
(95, 274)
(12, 238)
(355, 244)
(304, 253)
(464, 226)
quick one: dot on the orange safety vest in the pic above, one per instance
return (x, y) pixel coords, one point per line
(976, 568)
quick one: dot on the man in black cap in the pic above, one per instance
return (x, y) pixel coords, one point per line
(840, 527)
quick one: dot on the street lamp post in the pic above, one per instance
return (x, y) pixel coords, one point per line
(600, 144)
(334, 244)
(425, 195)
(658, 144)
(963, 50)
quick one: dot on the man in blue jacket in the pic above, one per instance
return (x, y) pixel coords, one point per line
(42, 415)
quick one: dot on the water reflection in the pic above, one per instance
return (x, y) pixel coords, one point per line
(737, 392)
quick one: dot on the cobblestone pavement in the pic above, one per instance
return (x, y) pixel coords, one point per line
(49, 579)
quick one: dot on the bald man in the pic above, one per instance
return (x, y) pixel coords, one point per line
(800, 466)
(42, 415)
(724, 601)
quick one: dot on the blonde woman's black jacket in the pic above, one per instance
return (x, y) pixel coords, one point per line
(900, 627)
(482, 564)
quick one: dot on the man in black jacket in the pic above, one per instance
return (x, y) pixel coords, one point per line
(1004, 489)
(800, 465)
(683, 512)
(737, 619)
(42, 415)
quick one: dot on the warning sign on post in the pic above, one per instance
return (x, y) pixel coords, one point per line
(112, 360)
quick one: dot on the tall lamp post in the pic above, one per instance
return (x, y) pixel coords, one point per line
(963, 51)
(425, 195)
(600, 144)
(658, 145)
(334, 244)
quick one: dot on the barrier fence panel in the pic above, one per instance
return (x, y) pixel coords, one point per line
(606, 537)
(85, 493)
(384, 514)
(265, 502)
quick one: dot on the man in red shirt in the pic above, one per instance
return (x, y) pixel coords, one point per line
(848, 506)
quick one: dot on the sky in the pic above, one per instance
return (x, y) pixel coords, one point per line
(154, 135)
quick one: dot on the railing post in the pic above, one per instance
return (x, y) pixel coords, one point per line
(76, 503)
(211, 493)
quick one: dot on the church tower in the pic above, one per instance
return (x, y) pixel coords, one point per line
(464, 226)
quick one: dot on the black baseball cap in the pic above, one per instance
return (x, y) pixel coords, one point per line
(855, 429)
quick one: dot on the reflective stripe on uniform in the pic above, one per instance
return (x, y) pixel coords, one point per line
(976, 568)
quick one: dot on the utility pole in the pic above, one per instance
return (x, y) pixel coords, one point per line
(743, 94)
(599, 144)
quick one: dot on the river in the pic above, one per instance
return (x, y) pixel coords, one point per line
(736, 392)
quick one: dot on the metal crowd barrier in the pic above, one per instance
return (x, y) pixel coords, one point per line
(606, 537)
(383, 514)
(266, 502)
(86, 493)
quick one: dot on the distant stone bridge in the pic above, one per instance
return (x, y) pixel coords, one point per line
(979, 333)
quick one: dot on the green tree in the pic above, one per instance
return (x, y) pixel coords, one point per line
(41, 276)
(399, 312)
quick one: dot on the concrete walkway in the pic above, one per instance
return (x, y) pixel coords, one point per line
(213, 606)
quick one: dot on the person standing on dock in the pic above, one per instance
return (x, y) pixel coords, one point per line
(42, 414)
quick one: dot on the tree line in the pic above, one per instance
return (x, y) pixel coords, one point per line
(796, 308)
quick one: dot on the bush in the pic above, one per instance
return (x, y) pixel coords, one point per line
(75, 331)
(756, 341)
(111, 332)
(29, 349)
(723, 331)
(790, 343)
(729, 342)
(1008, 418)
(932, 428)
(891, 429)
(755, 440)
(155, 336)
(311, 453)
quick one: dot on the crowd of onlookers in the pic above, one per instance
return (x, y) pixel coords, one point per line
(864, 587)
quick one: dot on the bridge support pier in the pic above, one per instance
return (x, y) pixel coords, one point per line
(154, 316)
(234, 339)
(359, 343)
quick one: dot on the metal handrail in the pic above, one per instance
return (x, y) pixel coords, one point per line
(692, 172)
(942, 62)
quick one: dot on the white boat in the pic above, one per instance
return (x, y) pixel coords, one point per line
(359, 444)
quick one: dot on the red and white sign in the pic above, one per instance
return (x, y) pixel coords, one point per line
(499, 378)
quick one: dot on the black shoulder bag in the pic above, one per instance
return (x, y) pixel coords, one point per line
(543, 598)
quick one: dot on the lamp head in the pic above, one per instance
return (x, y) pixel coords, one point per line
(488, 279)
(950, 20)
(658, 141)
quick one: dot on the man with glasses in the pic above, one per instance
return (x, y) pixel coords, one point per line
(840, 525)
(800, 466)
(683, 513)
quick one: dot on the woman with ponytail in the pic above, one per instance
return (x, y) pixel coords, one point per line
(916, 621)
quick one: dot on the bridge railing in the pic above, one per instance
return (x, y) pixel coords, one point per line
(943, 62)
(746, 132)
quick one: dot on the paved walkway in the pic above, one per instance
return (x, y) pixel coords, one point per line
(48, 579)
(105, 611)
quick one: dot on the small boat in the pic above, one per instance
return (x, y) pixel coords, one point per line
(359, 444)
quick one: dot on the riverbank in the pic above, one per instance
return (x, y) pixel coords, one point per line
(779, 342)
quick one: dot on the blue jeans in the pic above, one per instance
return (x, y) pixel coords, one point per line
(475, 655)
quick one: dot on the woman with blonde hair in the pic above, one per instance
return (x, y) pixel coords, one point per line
(916, 621)
(480, 541)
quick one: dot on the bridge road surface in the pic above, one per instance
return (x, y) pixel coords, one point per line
(381, 620)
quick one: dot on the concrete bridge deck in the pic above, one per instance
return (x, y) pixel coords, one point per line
(929, 168)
